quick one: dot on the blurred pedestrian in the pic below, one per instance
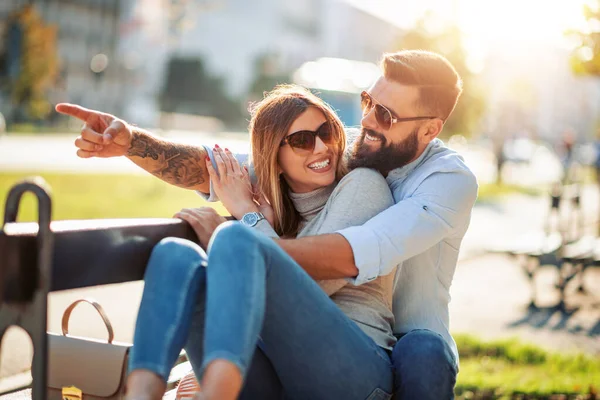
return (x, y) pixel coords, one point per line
(565, 152)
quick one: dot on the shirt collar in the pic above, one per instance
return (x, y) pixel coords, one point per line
(402, 172)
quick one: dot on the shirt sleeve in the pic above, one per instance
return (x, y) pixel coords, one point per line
(360, 195)
(243, 160)
(266, 228)
(439, 207)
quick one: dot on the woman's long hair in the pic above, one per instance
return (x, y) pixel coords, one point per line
(270, 123)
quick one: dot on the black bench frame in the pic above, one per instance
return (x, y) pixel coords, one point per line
(38, 258)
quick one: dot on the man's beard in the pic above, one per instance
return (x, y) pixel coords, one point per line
(386, 158)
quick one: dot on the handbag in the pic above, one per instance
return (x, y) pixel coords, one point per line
(96, 368)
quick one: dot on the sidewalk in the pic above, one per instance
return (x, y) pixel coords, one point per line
(494, 224)
(490, 292)
(490, 295)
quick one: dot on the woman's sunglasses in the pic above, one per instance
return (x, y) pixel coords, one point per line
(306, 140)
(384, 117)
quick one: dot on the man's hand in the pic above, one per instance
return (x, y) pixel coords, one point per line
(203, 220)
(102, 135)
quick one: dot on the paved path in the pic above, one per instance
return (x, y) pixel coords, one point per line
(490, 295)
(58, 152)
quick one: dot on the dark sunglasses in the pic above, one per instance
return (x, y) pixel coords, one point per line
(305, 140)
(384, 117)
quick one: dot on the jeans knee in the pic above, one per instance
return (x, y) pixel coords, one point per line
(422, 346)
(231, 234)
(172, 253)
(424, 367)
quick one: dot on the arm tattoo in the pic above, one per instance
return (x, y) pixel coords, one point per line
(176, 163)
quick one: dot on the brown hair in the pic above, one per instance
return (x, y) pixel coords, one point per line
(270, 123)
(439, 83)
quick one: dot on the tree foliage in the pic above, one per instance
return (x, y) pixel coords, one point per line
(266, 76)
(190, 89)
(586, 56)
(448, 42)
(30, 63)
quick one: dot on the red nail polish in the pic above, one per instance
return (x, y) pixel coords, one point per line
(217, 146)
(207, 158)
(226, 149)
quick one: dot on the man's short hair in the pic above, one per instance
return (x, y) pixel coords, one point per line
(439, 83)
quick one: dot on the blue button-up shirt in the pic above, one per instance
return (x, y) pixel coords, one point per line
(421, 235)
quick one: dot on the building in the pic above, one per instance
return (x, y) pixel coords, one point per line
(114, 53)
(87, 43)
(232, 35)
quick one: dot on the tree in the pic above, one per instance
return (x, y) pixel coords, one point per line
(266, 76)
(448, 42)
(30, 63)
(586, 56)
(189, 89)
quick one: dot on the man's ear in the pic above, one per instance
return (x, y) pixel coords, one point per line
(434, 128)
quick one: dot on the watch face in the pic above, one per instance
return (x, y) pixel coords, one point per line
(250, 219)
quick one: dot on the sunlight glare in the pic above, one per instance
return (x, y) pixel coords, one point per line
(519, 21)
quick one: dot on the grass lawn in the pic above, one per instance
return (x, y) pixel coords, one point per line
(508, 369)
(83, 196)
(86, 196)
(491, 191)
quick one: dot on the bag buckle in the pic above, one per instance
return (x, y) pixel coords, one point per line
(71, 393)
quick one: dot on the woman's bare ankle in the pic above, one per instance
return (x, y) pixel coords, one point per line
(222, 380)
(143, 384)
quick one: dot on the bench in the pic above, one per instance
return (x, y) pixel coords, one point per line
(560, 244)
(47, 256)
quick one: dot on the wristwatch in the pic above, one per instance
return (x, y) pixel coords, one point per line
(252, 218)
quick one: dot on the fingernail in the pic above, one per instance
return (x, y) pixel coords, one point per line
(216, 146)
(226, 149)
(207, 158)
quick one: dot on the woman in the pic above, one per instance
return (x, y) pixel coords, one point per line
(325, 339)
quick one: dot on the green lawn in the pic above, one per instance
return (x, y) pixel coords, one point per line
(492, 191)
(83, 196)
(508, 369)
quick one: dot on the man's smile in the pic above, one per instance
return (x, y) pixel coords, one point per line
(370, 138)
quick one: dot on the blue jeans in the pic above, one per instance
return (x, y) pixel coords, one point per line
(252, 289)
(425, 367)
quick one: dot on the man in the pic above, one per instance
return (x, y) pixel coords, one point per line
(434, 191)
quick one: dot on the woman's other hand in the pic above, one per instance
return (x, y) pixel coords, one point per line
(231, 183)
(203, 220)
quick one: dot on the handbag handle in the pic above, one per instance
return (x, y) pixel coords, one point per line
(98, 307)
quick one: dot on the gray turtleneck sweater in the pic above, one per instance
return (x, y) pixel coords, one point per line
(358, 197)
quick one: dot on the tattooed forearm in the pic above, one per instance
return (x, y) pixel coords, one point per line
(178, 164)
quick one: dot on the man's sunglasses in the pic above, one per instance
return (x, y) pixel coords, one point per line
(305, 140)
(385, 118)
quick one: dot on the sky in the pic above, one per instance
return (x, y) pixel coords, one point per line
(489, 25)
